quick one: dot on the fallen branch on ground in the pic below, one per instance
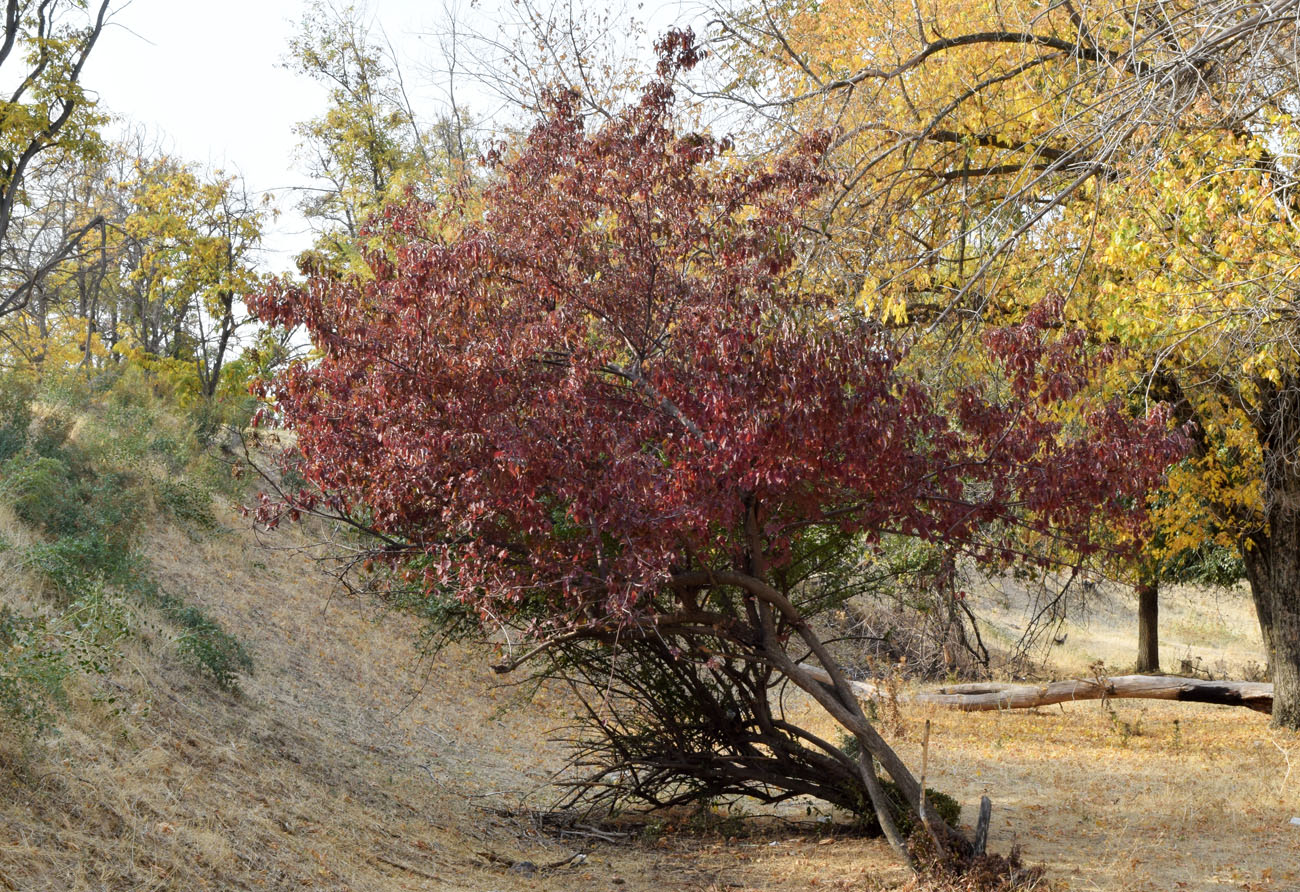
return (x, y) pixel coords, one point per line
(983, 696)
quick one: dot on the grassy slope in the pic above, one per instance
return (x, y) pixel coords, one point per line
(345, 764)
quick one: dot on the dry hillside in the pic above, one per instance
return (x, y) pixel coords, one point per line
(347, 763)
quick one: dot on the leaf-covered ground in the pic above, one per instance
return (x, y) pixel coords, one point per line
(349, 764)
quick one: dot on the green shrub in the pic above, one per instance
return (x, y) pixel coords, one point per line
(114, 503)
(209, 420)
(93, 513)
(15, 416)
(66, 496)
(229, 411)
(203, 645)
(32, 672)
(174, 451)
(211, 649)
(50, 433)
(188, 502)
(944, 806)
(43, 493)
(67, 563)
(13, 436)
(92, 626)
(38, 655)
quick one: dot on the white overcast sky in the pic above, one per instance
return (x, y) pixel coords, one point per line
(206, 77)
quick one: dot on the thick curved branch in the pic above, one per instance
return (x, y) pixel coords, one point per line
(1048, 41)
(840, 700)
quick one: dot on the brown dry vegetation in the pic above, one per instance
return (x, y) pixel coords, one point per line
(1202, 631)
(348, 764)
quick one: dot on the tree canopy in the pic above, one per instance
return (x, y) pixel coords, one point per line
(1138, 163)
(43, 53)
(608, 406)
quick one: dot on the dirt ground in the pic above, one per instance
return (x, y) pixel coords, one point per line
(348, 763)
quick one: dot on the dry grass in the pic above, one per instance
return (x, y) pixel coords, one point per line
(1212, 630)
(347, 764)
(1131, 795)
(18, 536)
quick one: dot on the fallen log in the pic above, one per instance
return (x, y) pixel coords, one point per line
(984, 696)
(975, 697)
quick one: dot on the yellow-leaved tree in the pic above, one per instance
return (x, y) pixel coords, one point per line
(44, 109)
(1139, 160)
(163, 286)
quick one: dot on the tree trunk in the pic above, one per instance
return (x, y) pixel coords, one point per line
(1148, 592)
(210, 375)
(983, 697)
(1273, 569)
(1257, 577)
(1272, 554)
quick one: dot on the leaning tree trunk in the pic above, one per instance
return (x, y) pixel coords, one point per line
(1272, 555)
(1148, 592)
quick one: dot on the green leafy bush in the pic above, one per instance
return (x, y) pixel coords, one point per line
(38, 655)
(66, 496)
(943, 805)
(49, 433)
(187, 501)
(43, 493)
(67, 563)
(15, 415)
(211, 649)
(209, 420)
(32, 673)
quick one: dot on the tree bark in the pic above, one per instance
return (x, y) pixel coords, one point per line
(1272, 554)
(1257, 576)
(982, 825)
(977, 697)
(1148, 660)
(1273, 569)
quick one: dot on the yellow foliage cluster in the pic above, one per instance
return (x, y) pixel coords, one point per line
(63, 341)
(989, 155)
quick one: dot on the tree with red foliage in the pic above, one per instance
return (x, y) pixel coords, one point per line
(605, 410)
